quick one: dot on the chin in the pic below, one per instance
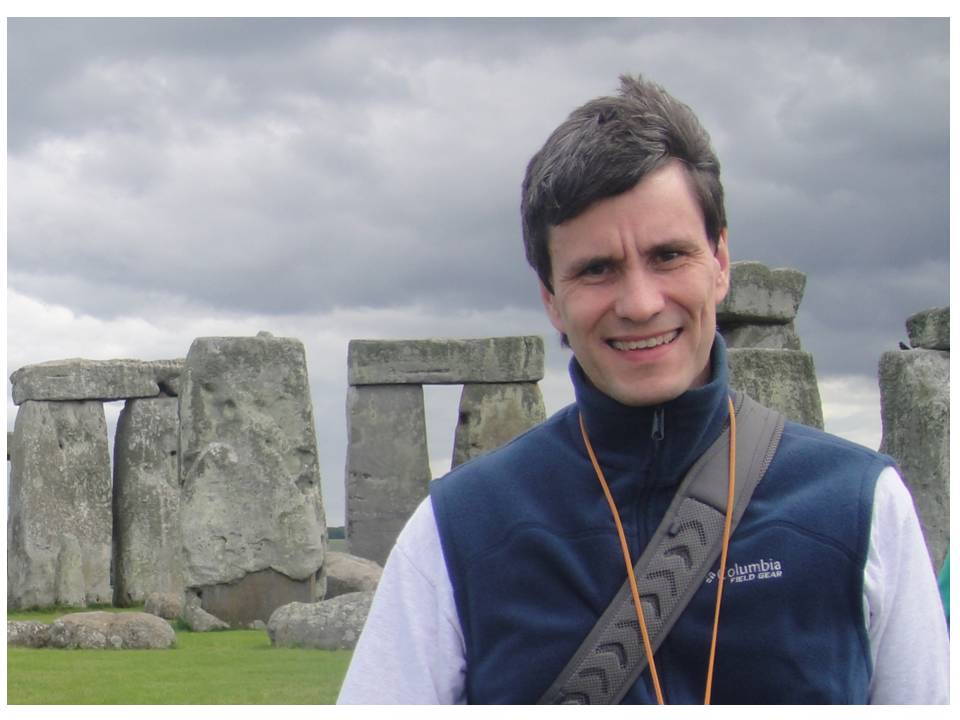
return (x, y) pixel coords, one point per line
(647, 398)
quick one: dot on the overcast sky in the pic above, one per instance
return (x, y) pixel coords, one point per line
(337, 179)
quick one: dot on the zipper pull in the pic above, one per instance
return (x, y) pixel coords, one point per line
(657, 432)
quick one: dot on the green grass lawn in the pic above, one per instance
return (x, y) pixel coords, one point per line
(226, 667)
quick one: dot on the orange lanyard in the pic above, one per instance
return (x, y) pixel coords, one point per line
(728, 521)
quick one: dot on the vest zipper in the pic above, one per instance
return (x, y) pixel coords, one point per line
(657, 432)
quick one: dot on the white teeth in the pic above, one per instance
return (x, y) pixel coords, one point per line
(645, 344)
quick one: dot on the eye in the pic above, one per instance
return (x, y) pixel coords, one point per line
(595, 269)
(668, 256)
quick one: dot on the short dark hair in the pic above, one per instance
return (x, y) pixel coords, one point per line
(604, 148)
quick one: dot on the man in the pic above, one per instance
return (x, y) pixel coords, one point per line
(500, 575)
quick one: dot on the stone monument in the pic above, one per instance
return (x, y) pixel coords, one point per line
(252, 521)
(387, 461)
(915, 410)
(765, 357)
(146, 497)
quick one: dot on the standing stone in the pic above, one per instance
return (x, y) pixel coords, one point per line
(915, 409)
(146, 501)
(250, 501)
(784, 380)
(388, 468)
(493, 414)
(70, 586)
(59, 506)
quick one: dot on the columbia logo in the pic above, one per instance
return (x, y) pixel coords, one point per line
(748, 572)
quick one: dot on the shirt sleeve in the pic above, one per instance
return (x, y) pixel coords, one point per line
(411, 649)
(905, 619)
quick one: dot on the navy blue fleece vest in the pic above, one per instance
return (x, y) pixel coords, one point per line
(534, 559)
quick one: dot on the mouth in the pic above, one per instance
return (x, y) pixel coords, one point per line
(645, 343)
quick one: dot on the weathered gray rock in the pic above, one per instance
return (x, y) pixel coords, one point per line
(250, 477)
(147, 501)
(105, 630)
(493, 414)
(930, 329)
(348, 573)
(772, 336)
(915, 410)
(784, 380)
(387, 465)
(759, 294)
(257, 594)
(27, 633)
(59, 506)
(199, 620)
(445, 362)
(167, 605)
(329, 625)
(80, 379)
(70, 584)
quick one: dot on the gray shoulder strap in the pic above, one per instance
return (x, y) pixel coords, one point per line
(684, 547)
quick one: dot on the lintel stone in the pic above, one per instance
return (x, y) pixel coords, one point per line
(81, 379)
(445, 361)
(930, 329)
(759, 294)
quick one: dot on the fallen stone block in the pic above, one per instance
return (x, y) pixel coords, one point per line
(492, 414)
(250, 476)
(105, 630)
(60, 522)
(930, 329)
(348, 573)
(445, 362)
(388, 469)
(27, 633)
(915, 411)
(328, 625)
(199, 620)
(759, 294)
(80, 379)
(784, 380)
(166, 605)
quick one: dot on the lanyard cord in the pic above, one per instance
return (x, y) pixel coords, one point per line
(727, 524)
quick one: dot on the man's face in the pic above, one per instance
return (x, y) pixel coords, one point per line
(636, 286)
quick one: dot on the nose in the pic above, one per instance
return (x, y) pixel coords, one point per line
(639, 296)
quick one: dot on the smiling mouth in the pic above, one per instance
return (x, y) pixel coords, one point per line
(646, 343)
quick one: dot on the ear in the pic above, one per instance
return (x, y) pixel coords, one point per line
(549, 301)
(722, 257)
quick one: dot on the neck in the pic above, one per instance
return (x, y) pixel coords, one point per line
(667, 437)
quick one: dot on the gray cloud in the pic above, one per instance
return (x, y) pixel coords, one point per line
(271, 168)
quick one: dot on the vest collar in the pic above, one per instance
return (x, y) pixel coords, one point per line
(626, 437)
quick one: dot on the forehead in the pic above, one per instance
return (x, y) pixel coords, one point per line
(661, 208)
